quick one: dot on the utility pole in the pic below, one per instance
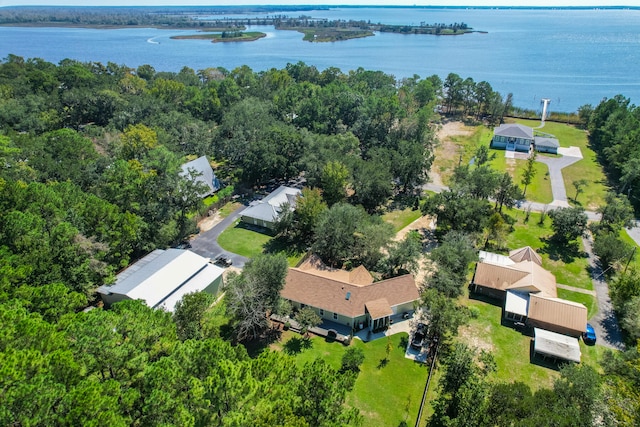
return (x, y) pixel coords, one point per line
(630, 258)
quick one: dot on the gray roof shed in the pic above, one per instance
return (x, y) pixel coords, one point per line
(206, 176)
(541, 141)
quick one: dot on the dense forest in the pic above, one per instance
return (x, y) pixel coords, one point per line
(90, 156)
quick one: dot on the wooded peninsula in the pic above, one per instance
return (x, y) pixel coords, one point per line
(204, 19)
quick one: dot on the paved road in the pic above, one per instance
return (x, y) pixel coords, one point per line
(604, 322)
(206, 244)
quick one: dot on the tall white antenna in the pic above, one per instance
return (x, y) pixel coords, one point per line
(545, 104)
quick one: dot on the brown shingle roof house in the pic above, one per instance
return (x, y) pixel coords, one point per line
(349, 297)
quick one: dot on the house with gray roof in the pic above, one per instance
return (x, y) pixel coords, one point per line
(517, 137)
(203, 172)
(265, 212)
(162, 278)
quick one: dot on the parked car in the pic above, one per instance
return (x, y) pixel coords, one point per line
(589, 336)
(418, 339)
(183, 245)
(222, 261)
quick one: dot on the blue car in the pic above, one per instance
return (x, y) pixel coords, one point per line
(589, 337)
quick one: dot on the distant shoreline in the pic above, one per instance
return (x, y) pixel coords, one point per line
(301, 8)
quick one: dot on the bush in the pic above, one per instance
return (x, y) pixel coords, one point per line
(474, 312)
(611, 250)
(352, 359)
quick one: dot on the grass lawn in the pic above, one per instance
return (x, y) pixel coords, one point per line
(588, 168)
(540, 188)
(381, 393)
(228, 208)
(569, 269)
(635, 262)
(250, 243)
(400, 219)
(243, 241)
(510, 348)
(592, 355)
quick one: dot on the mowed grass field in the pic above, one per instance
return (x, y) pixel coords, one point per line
(401, 218)
(249, 242)
(385, 393)
(540, 188)
(588, 168)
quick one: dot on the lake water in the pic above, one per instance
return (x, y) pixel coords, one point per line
(574, 57)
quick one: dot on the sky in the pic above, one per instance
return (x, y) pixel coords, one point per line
(556, 3)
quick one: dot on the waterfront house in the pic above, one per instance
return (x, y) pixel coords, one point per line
(517, 137)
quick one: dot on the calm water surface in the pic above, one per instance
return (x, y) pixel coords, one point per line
(574, 57)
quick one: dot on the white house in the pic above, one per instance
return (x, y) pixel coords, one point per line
(162, 278)
(265, 212)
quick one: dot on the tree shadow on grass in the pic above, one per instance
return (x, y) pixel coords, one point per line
(383, 362)
(261, 343)
(402, 201)
(283, 245)
(404, 342)
(254, 228)
(296, 345)
(560, 251)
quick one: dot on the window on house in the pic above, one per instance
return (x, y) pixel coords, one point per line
(321, 312)
(335, 316)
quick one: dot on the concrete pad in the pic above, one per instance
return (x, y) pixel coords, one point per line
(418, 356)
(510, 154)
(570, 152)
(559, 204)
(521, 156)
(399, 325)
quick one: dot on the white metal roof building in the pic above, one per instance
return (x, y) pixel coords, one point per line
(162, 278)
(558, 346)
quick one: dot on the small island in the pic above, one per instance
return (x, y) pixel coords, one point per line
(321, 30)
(225, 36)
